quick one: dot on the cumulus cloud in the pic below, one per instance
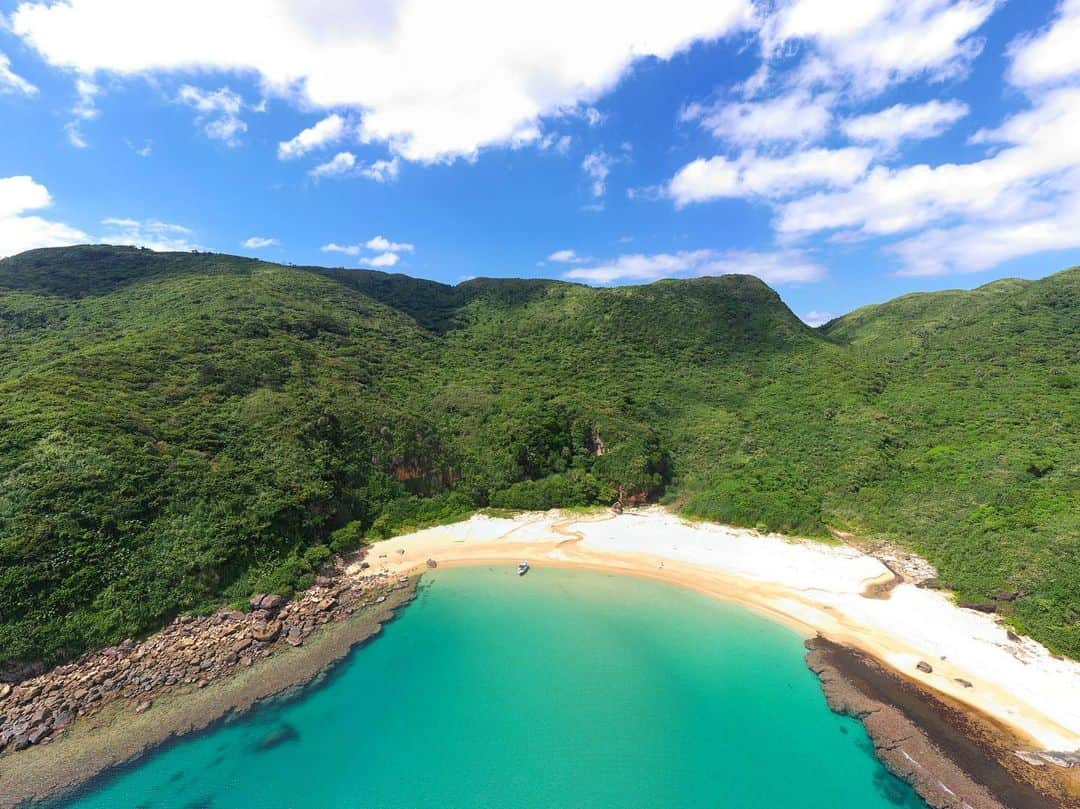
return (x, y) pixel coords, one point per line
(382, 260)
(777, 268)
(425, 78)
(1051, 55)
(20, 231)
(327, 131)
(84, 109)
(868, 46)
(150, 233)
(346, 164)
(387, 252)
(597, 167)
(218, 112)
(1032, 173)
(755, 175)
(11, 82)
(567, 257)
(795, 116)
(381, 171)
(901, 122)
(815, 318)
(382, 243)
(260, 242)
(340, 164)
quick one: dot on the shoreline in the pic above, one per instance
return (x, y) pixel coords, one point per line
(870, 634)
(97, 747)
(1017, 705)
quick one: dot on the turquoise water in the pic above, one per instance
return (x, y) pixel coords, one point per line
(559, 689)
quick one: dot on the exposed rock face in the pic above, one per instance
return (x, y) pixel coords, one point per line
(949, 759)
(191, 651)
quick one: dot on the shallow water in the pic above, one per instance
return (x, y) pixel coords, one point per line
(563, 688)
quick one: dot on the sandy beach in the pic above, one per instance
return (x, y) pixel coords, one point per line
(815, 588)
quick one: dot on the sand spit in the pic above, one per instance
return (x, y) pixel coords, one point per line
(97, 745)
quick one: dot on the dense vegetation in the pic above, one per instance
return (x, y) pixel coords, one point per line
(181, 429)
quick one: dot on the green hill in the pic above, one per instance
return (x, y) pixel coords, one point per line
(177, 430)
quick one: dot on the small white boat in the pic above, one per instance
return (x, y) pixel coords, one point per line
(523, 568)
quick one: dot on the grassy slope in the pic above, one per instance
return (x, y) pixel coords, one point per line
(177, 429)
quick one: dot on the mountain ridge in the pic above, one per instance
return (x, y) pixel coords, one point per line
(178, 430)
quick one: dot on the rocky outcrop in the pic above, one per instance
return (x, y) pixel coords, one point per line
(950, 758)
(191, 651)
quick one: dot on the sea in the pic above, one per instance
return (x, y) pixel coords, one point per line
(560, 688)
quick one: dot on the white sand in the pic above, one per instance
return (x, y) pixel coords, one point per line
(811, 586)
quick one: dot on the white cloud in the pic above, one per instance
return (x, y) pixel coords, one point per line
(84, 109)
(340, 164)
(345, 164)
(382, 260)
(872, 44)
(347, 249)
(381, 171)
(18, 231)
(1051, 55)
(567, 257)
(553, 140)
(260, 242)
(150, 233)
(593, 116)
(795, 116)
(219, 112)
(142, 151)
(904, 122)
(1029, 177)
(428, 80)
(387, 253)
(752, 174)
(981, 246)
(597, 166)
(11, 82)
(384, 244)
(815, 318)
(775, 268)
(327, 131)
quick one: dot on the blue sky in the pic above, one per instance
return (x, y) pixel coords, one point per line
(845, 153)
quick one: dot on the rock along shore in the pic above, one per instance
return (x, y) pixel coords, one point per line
(68, 726)
(954, 758)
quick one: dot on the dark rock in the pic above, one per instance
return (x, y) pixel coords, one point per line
(1012, 636)
(978, 606)
(63, 719)
(1010, 595)
(283, 734)
(41, 716)
(38, 733)
(432, 563)
(20, 742)
(365, 565)
(925, 667)
(256, 600)
(324, 581)
(965, 683)
(930, 584)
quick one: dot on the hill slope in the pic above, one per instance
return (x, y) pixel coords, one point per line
(179, 429)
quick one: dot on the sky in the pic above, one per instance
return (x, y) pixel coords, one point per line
(843, 152)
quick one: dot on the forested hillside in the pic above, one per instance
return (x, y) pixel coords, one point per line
(178, 430)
